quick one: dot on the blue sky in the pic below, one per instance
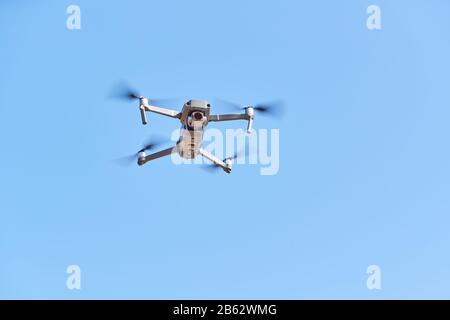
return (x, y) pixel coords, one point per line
(364, 158)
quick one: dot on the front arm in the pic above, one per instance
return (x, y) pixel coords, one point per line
(230, 117)
(163, 111)
(217, 162)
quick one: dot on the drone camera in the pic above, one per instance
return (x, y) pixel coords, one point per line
(197, 116)
(196, 119)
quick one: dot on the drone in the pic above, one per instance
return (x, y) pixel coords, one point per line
(194, 117)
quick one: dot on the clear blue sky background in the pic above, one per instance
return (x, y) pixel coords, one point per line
(364, 173)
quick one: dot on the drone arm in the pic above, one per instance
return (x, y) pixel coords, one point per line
(163, 111)
(230, 117)
(156, 155)
(215, 160)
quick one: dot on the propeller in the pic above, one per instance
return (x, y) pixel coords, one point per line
(123, 91)
(150, 144)
(273, 108)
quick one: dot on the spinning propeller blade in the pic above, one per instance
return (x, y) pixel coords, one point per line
(123, 91)
(274, 108)
(228, 104)
(148, 145)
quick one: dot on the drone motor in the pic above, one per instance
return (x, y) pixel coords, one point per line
(141, 158)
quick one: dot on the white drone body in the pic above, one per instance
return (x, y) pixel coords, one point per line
(194, 117)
